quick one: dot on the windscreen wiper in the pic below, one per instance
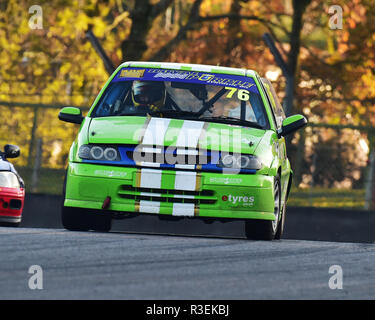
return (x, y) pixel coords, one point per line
(179, 113)
(140, 113)
(165, 113)
(231, 120)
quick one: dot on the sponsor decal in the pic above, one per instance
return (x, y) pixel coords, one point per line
(228, 80)
(110, 173)
(246, 201)
(132, 73)
(206, 77)
(242, 94)
(226, 180)
(171, 75)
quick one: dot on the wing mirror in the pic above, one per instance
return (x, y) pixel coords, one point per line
(11, 151)
(71, 114)
(292, 124)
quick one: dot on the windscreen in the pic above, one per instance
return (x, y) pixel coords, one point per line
(182, 94)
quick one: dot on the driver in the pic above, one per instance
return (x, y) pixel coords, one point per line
(149, 95)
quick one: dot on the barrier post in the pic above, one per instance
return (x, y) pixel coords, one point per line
(370, 179)
(37, 165)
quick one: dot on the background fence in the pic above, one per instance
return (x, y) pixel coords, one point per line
(333, 164)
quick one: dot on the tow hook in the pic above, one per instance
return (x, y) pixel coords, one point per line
(106, 203)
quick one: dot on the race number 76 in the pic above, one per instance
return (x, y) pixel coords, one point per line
(242, 94)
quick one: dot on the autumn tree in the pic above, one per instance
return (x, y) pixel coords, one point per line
(333, 70)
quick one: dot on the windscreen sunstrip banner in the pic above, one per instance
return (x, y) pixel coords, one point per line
(153, 74)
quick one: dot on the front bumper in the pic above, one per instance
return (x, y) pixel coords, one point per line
(11, 204)
(177, 193)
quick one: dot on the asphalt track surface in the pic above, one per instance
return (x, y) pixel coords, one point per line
(124, 265)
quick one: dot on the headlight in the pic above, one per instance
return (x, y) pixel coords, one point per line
(110, 154)
(95, 152)
(240, 161)
(228, 160)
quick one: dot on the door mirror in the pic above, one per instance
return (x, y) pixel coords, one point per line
(11, 151)
(71, 114)
(292, 124)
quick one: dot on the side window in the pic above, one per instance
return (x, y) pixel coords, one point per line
(269, 102)
(276, 105)
(112, 99)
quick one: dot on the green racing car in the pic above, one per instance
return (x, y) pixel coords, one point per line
(180, 140)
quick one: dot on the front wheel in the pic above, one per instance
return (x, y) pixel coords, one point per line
(101, 222)
(266, 229)
(74, 219)
(280, 228)
(78, 219)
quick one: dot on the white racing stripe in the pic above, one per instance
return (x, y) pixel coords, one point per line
(187, 152)
(149, 206)
(185, 181)
(184, 196)
(151, 150)
(155, 131)
(150, 178)
(189, 134)
(185, 166)
(183, 209)
(150, 194)
(150, 164)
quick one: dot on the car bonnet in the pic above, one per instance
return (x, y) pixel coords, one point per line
(134, 130)
(5, 165)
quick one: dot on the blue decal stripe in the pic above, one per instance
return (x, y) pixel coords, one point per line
(215, 79)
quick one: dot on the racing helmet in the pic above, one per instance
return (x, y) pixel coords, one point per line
(149, 93)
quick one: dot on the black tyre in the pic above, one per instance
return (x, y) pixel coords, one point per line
(75, 219)
(78, 219)
(266, 229)
(280, 228)
(100, 222)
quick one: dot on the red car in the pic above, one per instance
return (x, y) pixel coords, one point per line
(12, 189)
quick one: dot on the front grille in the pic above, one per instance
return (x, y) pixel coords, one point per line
(184, 157)
(167, 195)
